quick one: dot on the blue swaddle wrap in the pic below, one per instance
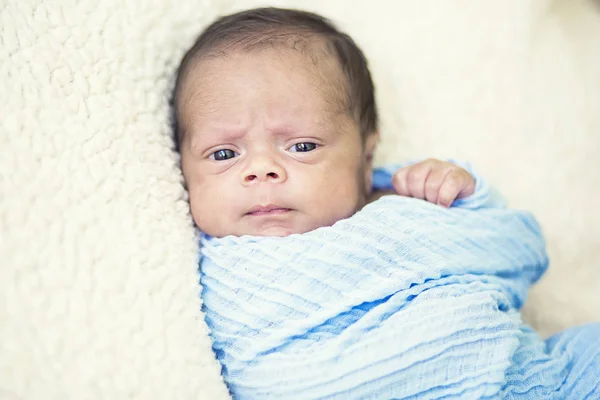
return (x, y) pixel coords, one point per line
(405, 299)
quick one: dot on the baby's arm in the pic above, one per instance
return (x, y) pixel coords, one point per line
(447, 183)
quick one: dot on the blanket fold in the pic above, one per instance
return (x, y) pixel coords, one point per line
(403, 300)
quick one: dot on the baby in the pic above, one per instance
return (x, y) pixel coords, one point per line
(276, 123)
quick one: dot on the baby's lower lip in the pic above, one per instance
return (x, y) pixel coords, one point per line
(274, 211)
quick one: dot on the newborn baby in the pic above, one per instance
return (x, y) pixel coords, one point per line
(276, 123)
(310, 294)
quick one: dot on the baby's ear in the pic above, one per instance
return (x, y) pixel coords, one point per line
(370, 145)
(371, 142)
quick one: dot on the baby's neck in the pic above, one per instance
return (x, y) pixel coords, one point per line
(376, 194)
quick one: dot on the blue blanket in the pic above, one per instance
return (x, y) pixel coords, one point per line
(403, 300)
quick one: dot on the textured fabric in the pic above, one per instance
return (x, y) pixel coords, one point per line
(404, 299)
(98, 258)
(99, 294)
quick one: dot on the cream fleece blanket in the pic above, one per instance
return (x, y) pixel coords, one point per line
(99, 294)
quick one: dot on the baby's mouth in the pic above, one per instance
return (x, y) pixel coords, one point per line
(269, 209)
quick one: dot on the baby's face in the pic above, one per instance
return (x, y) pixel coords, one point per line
(267, 149)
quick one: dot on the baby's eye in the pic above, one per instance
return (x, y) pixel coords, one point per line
(303, 147)
(221, 155)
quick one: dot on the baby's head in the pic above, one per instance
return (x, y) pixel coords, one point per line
(276, 124)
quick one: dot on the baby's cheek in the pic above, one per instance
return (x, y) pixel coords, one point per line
(203, 206)
(341, 196)
(199, 208)
(213, 206)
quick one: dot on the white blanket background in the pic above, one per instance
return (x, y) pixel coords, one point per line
(98, 280)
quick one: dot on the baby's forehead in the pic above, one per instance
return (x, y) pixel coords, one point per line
(318, 79)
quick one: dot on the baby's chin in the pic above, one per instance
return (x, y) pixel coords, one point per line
(271, 227)
(271, 231)
(276, 231)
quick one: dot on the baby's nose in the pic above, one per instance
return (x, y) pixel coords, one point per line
(269, 176)
(264, 170)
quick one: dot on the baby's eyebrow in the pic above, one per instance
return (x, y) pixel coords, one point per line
(207, 137)
(220, 133)
(292, 126)
(282, 129)
(228, 133)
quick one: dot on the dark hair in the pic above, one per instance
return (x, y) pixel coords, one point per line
(263, 27)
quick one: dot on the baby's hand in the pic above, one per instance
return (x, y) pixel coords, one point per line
(436, 181)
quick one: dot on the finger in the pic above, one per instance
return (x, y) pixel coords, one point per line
(435, 180)
(468, 187)
(451, 186)
(417, 176)
(399, 181)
